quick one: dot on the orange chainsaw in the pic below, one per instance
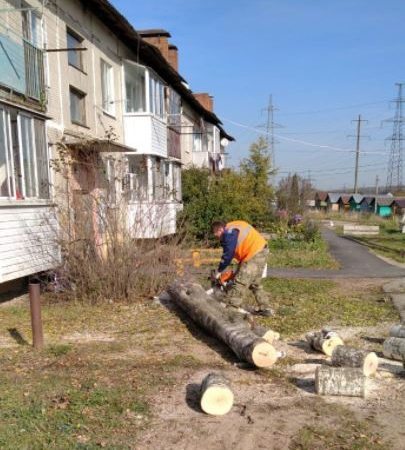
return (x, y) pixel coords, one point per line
(225, 281)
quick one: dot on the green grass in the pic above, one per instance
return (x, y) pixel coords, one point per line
(304, 305)
(394, 241)
(290, 253)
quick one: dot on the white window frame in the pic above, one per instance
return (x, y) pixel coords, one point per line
(11, 181)
(158, 111)
(107, 87)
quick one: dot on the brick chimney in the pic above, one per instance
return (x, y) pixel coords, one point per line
(158, 38)
(206, 100)
(174, 57)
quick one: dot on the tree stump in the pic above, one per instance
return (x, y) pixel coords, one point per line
(209, 314)
(216, 395)
(324, 342)
(394, 348)
(344, 356)
(398, 331)
(268, 335)
(340, 381)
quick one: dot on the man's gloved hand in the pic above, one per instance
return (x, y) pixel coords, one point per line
(215, 275)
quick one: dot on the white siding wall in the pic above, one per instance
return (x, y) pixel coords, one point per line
(27, 241)
(146, 134)
(151, 221)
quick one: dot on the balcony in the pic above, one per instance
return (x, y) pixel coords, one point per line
(22, 67)
(146, 133)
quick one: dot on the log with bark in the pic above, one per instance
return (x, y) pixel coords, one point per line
(324, 341)
(216, 395)
(344, 356)
(209, 314)
(268, 335)
(398, 331)
(340, 381)
(394, 348)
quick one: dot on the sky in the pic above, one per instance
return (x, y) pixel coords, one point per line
(323, 61)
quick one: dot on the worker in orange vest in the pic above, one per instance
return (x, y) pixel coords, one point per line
(241, 241)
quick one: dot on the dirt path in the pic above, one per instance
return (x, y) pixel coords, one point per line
(355, 259)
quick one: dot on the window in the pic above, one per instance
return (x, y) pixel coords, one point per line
(24, 163)
(156, 96)
(31, 26)
(136, 181)
(197, 141)
(74, 56)
(77, 106)
(135, 88)
(107, 87)
(174, 109)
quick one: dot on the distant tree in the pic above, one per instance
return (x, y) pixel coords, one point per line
(257, 169)
(292, 194)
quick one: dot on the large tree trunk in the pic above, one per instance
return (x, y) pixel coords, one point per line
(324, 342)
(216, 395)
(343, 356)
(340, 381)
(398, 331)
(268, 335)
(394, 348)
(233, 331)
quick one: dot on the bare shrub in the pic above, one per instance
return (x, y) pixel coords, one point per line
(110, 238)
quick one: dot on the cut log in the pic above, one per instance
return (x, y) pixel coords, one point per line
(216, 395)
(344, 356)
(394, 348)
(268, 335)
(324, 343)
(398, 331)
(207, 312)
(340, 381)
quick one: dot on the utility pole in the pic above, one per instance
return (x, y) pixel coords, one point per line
(395, 162)
(359, 121)
(377, 179)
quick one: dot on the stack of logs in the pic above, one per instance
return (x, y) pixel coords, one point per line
(394, 346)
(349, 368)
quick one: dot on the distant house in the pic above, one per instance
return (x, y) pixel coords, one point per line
(398, 206)
(382, 205)
(332, 200)
(344, 202)
(320, 200)
(365, 204)
(355, 202)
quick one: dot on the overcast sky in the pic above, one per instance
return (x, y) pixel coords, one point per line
(324, 61)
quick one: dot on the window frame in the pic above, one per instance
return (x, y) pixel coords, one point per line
(107, 83)
(82, 95)
(78, 53)
(12, 185)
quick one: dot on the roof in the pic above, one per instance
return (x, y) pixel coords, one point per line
(368, 200)
(383, 201)
(321, 196)
(400, 202)
(153, 33)
(357, 198)
(333, 197)
(149, 54)
(345, 198)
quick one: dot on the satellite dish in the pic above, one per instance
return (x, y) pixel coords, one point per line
(224, 142)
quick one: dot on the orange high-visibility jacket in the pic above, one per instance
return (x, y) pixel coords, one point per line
(250, 241)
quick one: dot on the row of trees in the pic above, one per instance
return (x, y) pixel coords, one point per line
(243, 193)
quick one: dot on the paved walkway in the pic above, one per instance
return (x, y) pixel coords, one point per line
(356, 261)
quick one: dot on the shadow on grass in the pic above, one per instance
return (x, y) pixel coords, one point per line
(199, 333)
(17, 336)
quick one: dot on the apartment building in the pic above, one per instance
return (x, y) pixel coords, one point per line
(79, 79)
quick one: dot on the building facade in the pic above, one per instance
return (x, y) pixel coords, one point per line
(78, 80)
